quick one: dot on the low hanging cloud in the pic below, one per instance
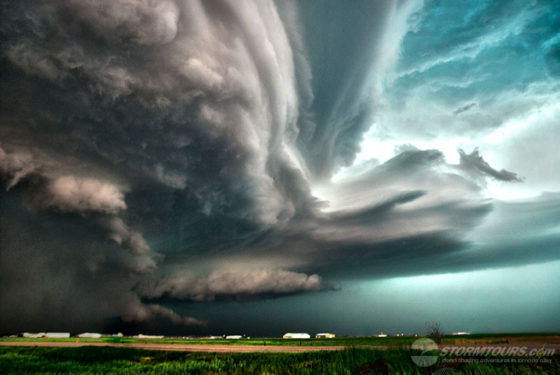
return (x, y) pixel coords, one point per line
(123, 235)
(139, 312)
(64, 193)
(71, 194)
(234, 285)
(14, 167)
(76, 194)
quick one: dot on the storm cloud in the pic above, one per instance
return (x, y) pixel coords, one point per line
(474, 163)
(192, 153)
(234, 284)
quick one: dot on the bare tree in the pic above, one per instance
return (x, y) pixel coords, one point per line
(434, 331)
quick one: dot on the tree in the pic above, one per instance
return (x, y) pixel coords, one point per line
(434, 331)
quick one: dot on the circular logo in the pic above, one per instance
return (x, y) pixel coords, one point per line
(425, 346)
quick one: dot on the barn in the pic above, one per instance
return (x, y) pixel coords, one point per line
(296, 336)
(325, 336)
(57, 335)
(89, 335)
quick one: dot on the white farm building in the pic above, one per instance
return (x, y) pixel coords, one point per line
(89, 335)
(57, 335)
(33, 335)
(141, 336)
(297, 336)
(325, 336)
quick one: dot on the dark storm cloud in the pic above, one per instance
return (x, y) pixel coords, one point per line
(167, 82)
(179, 150)
(59, 271)
(399, 230)
(341, 53)
(395, 229)
(474, 163)
(171, 106)
(229, 284)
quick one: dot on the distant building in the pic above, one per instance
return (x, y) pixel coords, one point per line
(460, 333)
(382, 335)
(57, 335)
(141, 336)
(233, 337)
(297, 336)
(33, 335)
(325, 336)
(90, 335)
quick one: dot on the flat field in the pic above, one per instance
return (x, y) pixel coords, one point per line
(356, 355)
(389, 342)
(101, 360)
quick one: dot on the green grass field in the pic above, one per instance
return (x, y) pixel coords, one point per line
(393, 341)
(96, 360)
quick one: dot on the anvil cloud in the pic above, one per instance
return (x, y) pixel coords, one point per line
(160, 156)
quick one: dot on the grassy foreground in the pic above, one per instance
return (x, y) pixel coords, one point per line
(95, 360)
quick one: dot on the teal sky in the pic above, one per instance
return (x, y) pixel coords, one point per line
(485, 301)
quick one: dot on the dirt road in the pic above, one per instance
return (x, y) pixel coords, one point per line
(246, 348)
(179, 347)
